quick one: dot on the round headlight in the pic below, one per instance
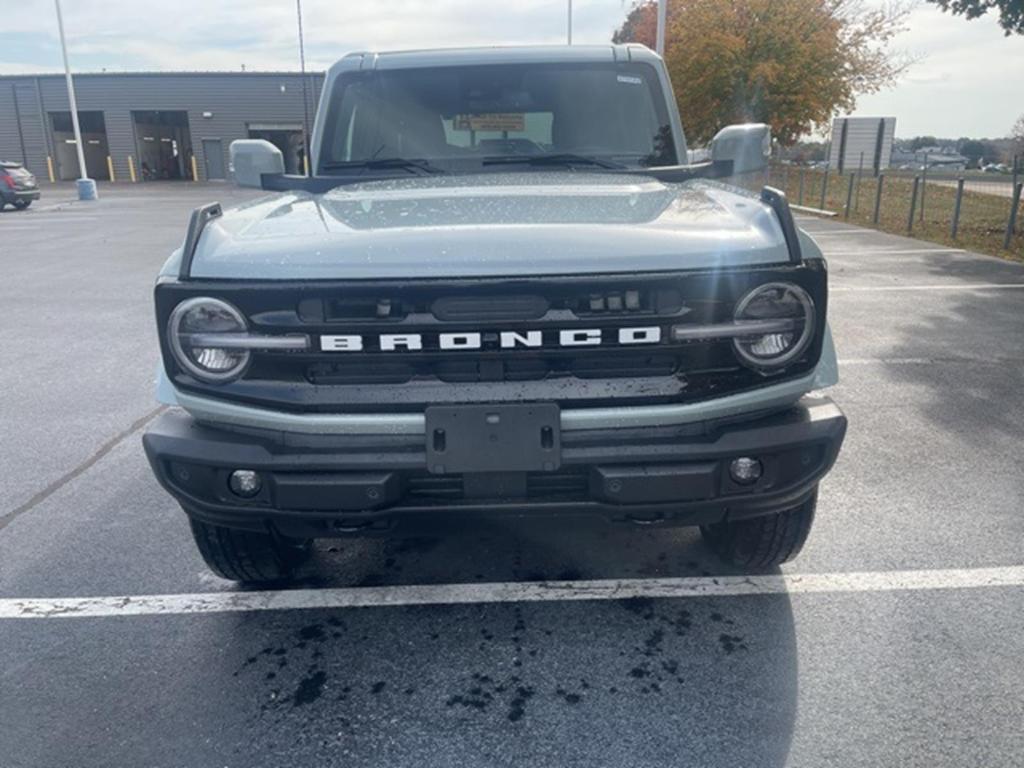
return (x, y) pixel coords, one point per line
(793, 309)
(192, 332)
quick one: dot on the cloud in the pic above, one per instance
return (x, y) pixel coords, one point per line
(928, 78)
(961, 85)
(263, 35)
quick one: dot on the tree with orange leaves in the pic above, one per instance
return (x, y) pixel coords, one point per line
(790, 63)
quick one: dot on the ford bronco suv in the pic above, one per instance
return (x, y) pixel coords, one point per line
(503, 290)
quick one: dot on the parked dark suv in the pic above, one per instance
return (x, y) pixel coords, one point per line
(18, 187)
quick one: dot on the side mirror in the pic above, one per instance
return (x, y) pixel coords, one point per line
(251, 158)
(746, 147)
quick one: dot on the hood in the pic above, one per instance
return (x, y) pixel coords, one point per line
(502, 224)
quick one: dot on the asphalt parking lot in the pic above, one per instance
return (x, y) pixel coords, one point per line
(875, 673)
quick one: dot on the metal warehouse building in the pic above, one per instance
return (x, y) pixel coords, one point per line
(149, 126)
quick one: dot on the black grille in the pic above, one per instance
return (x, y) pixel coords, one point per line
(373, 379)
(424, 487)
(568, 483)
(454, 371)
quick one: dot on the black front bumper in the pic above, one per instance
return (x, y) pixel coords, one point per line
(12, 196)
(324, 485)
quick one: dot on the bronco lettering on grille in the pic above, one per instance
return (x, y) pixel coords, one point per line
(575, 337)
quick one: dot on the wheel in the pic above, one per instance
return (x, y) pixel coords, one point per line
(254, 557)
(762, 542)
(21, 205)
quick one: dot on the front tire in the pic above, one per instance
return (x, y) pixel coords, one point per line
(762, 542)
(21, 205)
(250, 557)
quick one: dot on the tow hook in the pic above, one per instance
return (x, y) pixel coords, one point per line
(360, 526)
(647, 519)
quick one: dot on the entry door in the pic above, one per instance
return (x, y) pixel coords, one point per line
(213, 151)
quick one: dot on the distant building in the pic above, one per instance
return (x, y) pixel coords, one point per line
(946, 158)
(153, 125)
(951, 162)
(861, 143)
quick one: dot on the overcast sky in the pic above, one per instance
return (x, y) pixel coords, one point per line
(968, 81)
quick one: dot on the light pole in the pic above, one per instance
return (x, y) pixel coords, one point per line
(305, 98)
(569, 26)
(662, 12)
(86, 186)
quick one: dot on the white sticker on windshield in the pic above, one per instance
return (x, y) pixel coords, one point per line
(630, 79)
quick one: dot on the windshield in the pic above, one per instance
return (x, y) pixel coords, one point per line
(466, 115)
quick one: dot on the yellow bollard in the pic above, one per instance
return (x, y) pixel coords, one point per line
(49, 167)
(110, 168)
(195, 172)
(305, 165)
(131, 168)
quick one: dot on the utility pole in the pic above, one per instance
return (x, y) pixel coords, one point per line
(305, 97)
(569, 26)
(86, 186)
(662, 13)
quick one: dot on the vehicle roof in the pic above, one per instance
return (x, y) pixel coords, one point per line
(10, 164)
(494, 55)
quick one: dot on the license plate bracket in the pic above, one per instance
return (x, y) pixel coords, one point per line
(493, 438)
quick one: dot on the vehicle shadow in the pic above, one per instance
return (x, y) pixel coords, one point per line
(974, 269)
(952, 355)
(461, 549)
(974, 392)
(936, 421)
(637, 682)
(634, 682)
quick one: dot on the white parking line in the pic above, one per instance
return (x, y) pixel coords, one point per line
(509, 592)
(42, 224)
(892, 252)
(816, 232)
(890, 361)
(57, 215)
(47, 228)
(942, 287)
(958, 360)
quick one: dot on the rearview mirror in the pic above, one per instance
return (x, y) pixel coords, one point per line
(746, 147)
(251, 158)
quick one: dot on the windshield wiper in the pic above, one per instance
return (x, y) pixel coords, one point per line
(560, 158)
(383, 163)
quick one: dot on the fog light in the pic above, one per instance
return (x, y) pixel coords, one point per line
(745, 470)
(245, 483)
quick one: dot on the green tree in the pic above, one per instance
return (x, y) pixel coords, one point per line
(790, 63)
(1011, 12)
(918, 142)
(976, 151)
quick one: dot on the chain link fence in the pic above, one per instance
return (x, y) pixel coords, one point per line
(974, 210)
